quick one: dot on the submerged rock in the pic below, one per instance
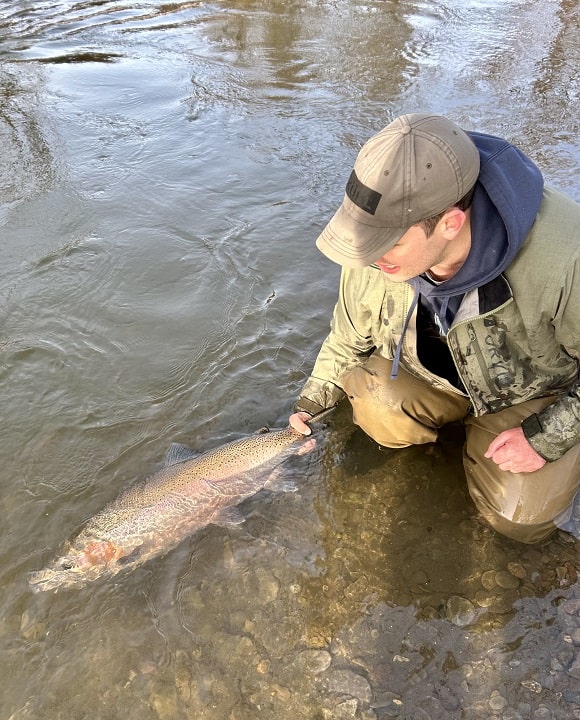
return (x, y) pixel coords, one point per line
(460, 611)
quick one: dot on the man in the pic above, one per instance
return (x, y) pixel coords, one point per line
(459, 300)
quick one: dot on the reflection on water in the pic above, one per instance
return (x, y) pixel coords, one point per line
(27, 165)
(165, 169)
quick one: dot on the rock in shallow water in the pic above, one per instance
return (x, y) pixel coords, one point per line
(347, 682)
(460, 611)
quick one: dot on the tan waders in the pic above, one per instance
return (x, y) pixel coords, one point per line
(408, 411)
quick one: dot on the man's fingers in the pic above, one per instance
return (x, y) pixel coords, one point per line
(495, 445)
(298, 422)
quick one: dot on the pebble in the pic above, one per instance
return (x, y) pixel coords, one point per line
(313, 661)
(460, 611)
(572, 607)
(484, 598)
(506, 580)
(400, 659)
(497, 702)
(388, 702)
(263, 667)
(574, 669)
(517, 569)
(279, 639)
(488, 579)
(504, 603)
(164, 702)
(347, 682)
(532, 685)
(346, 709)
(281, 692)
(566, 655)
(542, 713)
(233, 649)
(265, 586)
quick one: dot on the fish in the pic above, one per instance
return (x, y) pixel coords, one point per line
(155, 514)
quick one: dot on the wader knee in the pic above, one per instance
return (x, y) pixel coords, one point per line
(516, 527)
(522, 506)
(402, 412)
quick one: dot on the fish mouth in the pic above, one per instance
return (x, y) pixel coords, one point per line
(76, 569)
(62, 575)
(48, 579)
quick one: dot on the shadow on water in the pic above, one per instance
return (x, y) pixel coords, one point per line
(401, 526)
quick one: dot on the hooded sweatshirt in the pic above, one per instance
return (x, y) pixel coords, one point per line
(505, 203)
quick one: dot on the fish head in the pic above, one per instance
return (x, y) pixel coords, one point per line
(81, 562)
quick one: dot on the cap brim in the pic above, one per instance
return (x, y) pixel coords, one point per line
(353, 244)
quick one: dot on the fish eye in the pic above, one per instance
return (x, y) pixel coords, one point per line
(66, 565)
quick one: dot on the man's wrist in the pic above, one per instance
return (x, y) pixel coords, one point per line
(309, 406)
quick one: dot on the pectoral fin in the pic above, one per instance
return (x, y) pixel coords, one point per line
(277, 482)
(130, 557)
(227, 517)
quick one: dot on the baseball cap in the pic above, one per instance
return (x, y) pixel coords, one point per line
(416, 167)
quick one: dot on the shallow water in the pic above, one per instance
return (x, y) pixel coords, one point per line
(165, 170)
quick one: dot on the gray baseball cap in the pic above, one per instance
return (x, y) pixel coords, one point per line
(416, 167)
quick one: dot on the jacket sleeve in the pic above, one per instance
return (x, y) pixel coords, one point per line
(348, 344)
(556, 429)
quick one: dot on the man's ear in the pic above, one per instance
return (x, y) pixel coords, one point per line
(453, 221)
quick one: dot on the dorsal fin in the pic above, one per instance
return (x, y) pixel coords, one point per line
(178, 453)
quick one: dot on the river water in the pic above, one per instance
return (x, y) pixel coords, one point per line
(165, 169)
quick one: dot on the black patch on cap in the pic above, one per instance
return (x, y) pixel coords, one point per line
(362, 196)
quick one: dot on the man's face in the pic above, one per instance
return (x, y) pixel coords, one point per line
(414, 254)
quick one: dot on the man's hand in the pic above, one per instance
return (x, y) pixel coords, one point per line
(298, 422)
(511, 451)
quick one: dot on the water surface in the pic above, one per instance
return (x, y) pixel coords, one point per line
(165, 170)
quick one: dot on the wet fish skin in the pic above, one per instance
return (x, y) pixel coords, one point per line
(154, 515)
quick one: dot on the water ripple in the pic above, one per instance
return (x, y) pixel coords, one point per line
(34, 30)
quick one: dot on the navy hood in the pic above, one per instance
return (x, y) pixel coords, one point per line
(506, 200)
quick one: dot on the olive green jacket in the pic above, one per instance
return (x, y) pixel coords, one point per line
(514, 339)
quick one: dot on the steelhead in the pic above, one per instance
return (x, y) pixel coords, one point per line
(154, 515)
